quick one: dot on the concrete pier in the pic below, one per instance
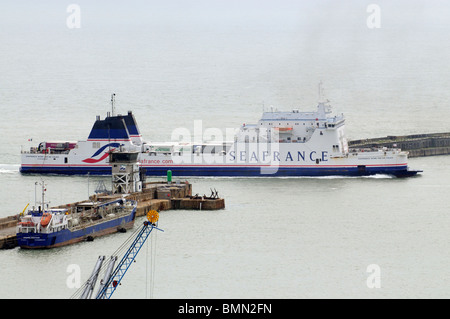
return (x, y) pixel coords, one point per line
(164, 196)
(417, 144)
(157, 196)
(8, 232)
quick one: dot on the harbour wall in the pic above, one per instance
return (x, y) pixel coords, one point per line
(416, 145)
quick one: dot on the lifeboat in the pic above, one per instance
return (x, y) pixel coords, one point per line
(45, 220)
(283, 129)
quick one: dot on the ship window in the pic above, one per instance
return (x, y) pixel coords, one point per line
(317, 161)
(65, 160)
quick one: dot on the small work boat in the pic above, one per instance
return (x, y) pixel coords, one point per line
(72, 223)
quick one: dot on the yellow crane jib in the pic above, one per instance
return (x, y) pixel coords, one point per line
(23, 212)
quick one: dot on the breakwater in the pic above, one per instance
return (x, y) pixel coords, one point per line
(416, 144)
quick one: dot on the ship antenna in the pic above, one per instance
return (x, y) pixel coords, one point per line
(42, 194)
(113, 101)
(35, 195)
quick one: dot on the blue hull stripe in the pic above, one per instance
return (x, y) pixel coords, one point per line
(227, 171)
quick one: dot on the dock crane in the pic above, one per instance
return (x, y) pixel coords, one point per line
(112, 277)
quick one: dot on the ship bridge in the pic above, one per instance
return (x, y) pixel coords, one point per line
(293, 126)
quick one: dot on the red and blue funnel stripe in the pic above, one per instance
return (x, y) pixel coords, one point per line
(92, 160)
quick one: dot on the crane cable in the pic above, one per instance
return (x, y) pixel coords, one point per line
(152, 264)
(119, 252)
(146, 270)
(153, 217)
(150, 270)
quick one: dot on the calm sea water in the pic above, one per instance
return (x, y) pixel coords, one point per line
(222, 62)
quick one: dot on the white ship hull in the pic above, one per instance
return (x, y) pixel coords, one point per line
(280, 144)
(290, 162)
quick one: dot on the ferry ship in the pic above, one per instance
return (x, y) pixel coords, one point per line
(54, 227)
(281, 143)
